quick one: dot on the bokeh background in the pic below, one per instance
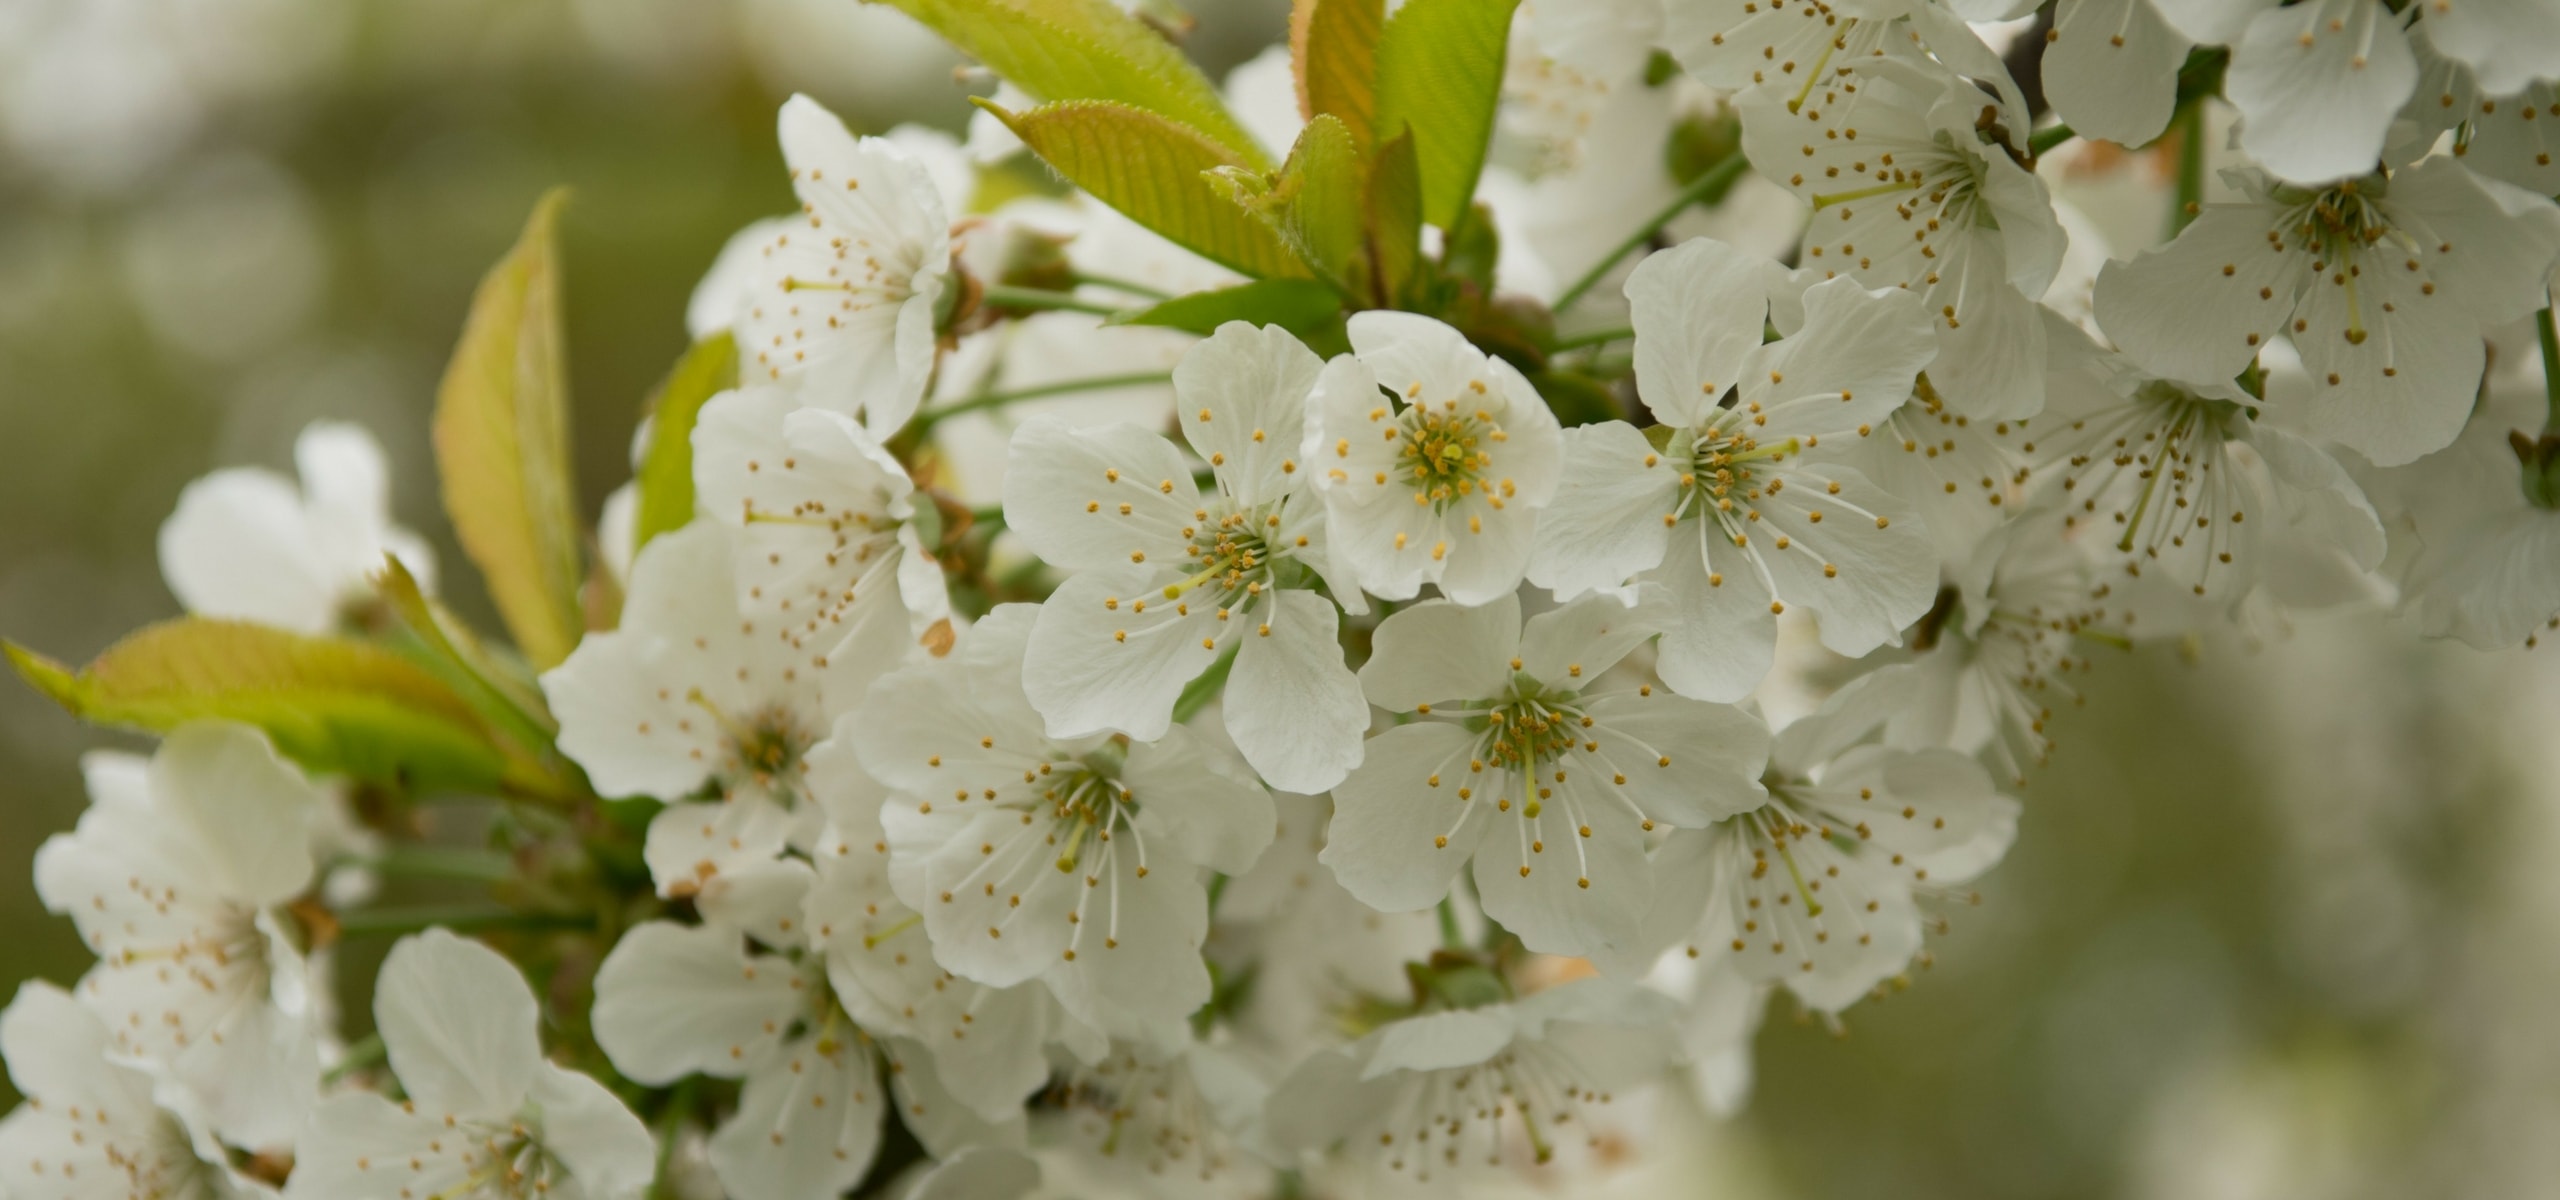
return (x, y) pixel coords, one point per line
(2283, 921)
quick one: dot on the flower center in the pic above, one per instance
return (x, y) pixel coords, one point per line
(768, 750)
(1723, 470)
(1230, 551)
(1445, 454)
(1086, 803)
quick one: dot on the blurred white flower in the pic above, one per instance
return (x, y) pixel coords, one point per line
(91, 1126)
(246, 544)
(2111, 68)
(486, 1118)
(177, 880)
(2317, 84)
(2383, 284)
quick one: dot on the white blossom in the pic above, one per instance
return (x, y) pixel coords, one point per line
(245, 543)
(1913, 187)
(1527, 738)
(91, 1128)
(691, 696)
(2182, 482)
(1446, 1089)
(823, 525)
(486, 1118)
(2508, 136)
(178, 880)
(1173, 1120)
(1166, 580)
(1815, 889)
(2384, 285)
(845, 302)
(2507, 43)
(1076, 861)
(1732, 512)
(1442, 483)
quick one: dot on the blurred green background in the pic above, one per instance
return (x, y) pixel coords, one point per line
(2282, 920)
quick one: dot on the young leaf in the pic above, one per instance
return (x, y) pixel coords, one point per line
(1323, 220)
(336, 706)
(1440, 75)
(708, 368)
(1297, 305)
(1333, 44)
(1395, 220)
(1155, 171)
(495, 688)
(1061, 50)
(501, 435)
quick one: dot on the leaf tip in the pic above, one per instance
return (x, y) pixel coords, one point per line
(46, 675)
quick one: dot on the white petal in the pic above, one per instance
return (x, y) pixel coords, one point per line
(239, 546)
(1203, 804)
(1091, 498)
(458, 1023)
(715, 302)
(1850, 365)
(1137, 949)
(1571, 880)
(673, 1001)
(1697, 310)
(241, 807)
(1414, 355)
(2111, 69)
(354, 1140)
(613, 719)
(2174, 310)
(808, 1122)
(609, 1153)
(1294, 709)
(1715, 755)
(2212, 22)
(994, 898)
(2406, 388)
(1439, 1041)
(1605, 524)
(689, 846)
(1242, 397)
(1437, 650)
(1111, 653)
(978, 1173)
(1384, 843)
(1718, 635)
(2317, 85)
(2510, 43)
(1850, 551)
(1572, 645)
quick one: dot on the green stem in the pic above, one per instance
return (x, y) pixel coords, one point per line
(440, 862)
(1707, 183)
(2042, 141)
(2542, 322)
(2190, 197)
(375, 922)
(997, 295)
(1121, 285)
(366, 1054)
(987, 516)
(1450, 938)
(1595, 337)
(1096, 383)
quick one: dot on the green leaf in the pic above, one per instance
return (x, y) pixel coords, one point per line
(1297, 305)
(501, 435)
(497, 689)
(1323, 219)
(1440, 75)
(1155, 171)
(1060, 50)
(336, 706)
(1333, 44)
(1395, 220)
(708, 368)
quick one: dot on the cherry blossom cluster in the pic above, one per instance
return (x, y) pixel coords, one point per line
(1069, 754)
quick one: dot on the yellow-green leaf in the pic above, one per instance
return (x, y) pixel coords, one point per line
(1297, 305)
(1333, 44)
(497, 688)
(665, 477)
(1395, 220)
(1156, 171)
(336, 706)
(1440, 76)
(501, 435)
(1324, 220)
(1059, 50)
